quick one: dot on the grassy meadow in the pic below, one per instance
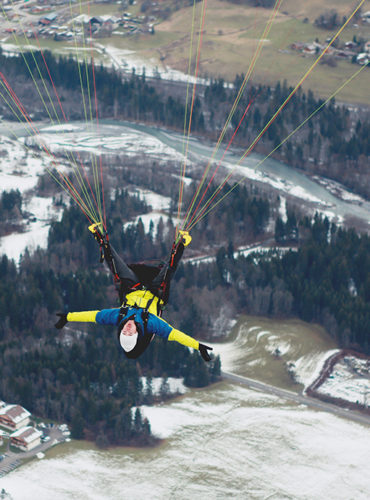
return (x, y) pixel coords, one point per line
(231, 36)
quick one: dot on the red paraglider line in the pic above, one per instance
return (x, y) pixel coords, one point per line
(64, 116)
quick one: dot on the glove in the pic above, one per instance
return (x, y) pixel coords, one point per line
(203, 349)
(62, 321)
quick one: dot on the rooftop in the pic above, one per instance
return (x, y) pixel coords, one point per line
(16, 412)
(28, 434)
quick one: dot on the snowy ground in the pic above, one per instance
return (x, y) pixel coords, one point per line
(160, 210)
(224, 442)
(307, 368)
(349, 380)
(255, 248)
(129, 60)
(21, 170)
(338, 190)
(174, 385)
(252, 170)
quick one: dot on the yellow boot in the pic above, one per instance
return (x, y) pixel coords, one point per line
(97, 227)
(186, 238)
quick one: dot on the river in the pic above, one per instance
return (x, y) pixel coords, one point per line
(156, 142)
(222, 441)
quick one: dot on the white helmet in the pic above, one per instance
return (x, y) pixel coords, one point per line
(128, 342)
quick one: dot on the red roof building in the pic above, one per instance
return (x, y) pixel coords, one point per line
(26, 438)
(14, 417)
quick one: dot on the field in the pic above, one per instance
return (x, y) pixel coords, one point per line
(231, 36)
(263, 349)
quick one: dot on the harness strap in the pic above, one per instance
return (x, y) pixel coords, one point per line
(145, 311)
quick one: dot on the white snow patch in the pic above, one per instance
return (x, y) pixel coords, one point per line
(156, 201)
(308, 367)
(130, 60)
(339, 190)
(175, 385)
(348, 384)
(62, 128)
(282, 209)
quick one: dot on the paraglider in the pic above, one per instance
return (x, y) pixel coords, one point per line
(143, 290)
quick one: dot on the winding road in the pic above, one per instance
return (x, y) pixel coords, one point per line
(298, 398)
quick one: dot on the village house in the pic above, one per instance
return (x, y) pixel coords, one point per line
(26, 438)
(14, 417)
(48, 19)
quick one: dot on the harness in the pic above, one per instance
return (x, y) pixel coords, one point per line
(131, 302)
(135, 297)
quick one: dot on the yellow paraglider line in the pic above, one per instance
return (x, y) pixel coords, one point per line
(234, 107)
(200, 39)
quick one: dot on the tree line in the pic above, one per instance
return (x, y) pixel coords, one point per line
(129, 98)
(333, 143)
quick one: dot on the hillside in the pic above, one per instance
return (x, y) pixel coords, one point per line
(231, 36)
(157, 36)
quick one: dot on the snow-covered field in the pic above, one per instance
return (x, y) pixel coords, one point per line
(349, 380)
(223, 442)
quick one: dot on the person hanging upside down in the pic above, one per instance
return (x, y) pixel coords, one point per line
(143, 291)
